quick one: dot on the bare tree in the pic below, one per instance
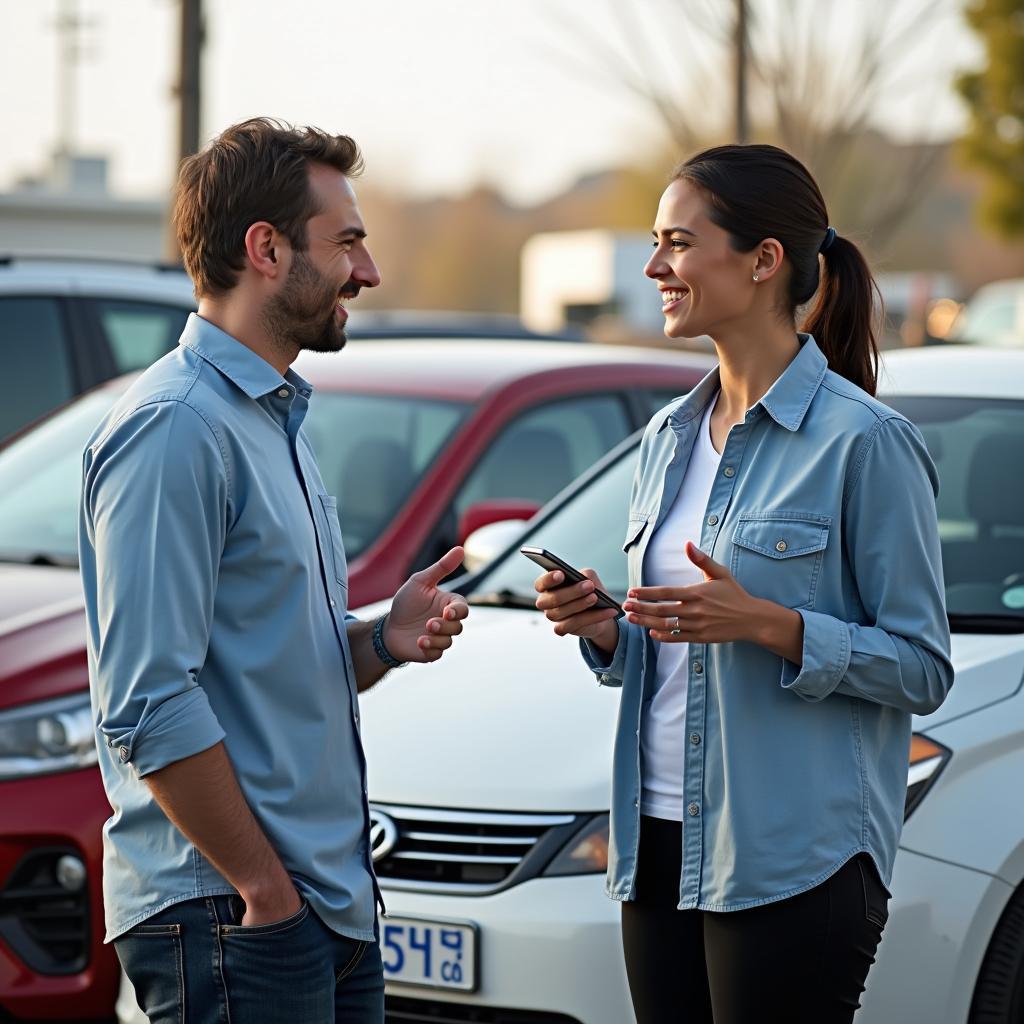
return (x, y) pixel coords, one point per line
(819, 74)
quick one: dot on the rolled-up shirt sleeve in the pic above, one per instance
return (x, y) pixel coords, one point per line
(609, 672)
(901, 657)
(155, 512)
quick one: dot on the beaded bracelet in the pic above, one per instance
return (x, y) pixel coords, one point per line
(378, 645)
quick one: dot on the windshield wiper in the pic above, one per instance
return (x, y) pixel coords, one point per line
(989, 622)
(39, 558)
(504, 599)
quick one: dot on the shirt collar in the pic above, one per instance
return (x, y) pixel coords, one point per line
(786, 401)
(243, 367)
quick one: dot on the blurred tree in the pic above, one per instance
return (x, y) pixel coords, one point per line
(995, 95)
(819, 73)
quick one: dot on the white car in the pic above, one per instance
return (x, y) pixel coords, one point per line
(490, 771)
(992, 316)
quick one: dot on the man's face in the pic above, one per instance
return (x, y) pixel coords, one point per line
(309, 310)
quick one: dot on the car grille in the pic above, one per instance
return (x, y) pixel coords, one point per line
(420, 1011)
(44, 923)
(466, 852)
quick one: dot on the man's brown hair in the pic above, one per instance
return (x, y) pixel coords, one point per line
(253, 171)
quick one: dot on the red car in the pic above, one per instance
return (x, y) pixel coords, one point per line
(421, 442)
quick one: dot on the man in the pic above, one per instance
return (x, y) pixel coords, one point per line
(237, 871)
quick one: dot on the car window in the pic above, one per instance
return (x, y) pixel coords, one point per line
(372, 451)
(588, 532)
(978, 449)
(139, 332)
(545, 449)
(659, 398)
(35, 355)
(40, 479)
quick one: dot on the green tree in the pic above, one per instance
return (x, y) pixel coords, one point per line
(995, 95)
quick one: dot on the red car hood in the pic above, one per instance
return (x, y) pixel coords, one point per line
(42, 633)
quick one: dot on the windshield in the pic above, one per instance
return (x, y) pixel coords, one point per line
(978, 448)
(40, 477)
(372, 451)
(588, 532)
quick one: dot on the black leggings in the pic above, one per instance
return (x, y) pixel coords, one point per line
(801, 960)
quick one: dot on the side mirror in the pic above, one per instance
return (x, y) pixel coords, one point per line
(483, 513)
(484, 545)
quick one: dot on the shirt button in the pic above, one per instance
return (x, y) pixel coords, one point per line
(729, 471)
(123, 754)
(781, 546)
(698, 667)
(712, 520)
(695, 738)
(283, 393)
(693, 810)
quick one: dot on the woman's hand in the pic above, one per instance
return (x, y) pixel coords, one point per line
(571, 608)
(716, 611)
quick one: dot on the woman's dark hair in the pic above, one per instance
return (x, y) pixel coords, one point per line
(758, 192)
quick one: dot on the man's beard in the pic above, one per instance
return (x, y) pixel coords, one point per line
(295, 316)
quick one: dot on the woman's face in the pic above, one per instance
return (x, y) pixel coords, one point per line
(705, 284)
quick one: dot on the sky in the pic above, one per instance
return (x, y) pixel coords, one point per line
(440, 94)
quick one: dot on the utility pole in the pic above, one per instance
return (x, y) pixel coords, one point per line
(69, 27)
(188, 77)
(742, 125)
(187, 92)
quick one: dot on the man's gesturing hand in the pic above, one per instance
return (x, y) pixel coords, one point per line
(423, 618)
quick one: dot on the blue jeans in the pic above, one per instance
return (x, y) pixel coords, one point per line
(192, 963)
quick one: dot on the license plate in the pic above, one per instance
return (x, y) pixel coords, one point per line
(440, 954)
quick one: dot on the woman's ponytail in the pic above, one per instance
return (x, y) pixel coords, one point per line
(843, 318)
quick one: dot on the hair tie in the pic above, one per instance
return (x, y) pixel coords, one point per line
(830, 237)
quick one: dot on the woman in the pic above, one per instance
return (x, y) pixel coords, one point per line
(785, 618)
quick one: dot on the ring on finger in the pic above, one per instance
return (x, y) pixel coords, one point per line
(675, 631)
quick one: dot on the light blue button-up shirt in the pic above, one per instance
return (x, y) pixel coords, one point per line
(824, 502)
(216, 595)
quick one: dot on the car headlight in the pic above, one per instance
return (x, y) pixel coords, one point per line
(927, 759)
(50, 736)
(586, 853)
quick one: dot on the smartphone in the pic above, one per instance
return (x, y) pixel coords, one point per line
(550, 562)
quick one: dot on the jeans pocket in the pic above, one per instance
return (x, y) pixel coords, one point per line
(151, 957)
(286, 924)
(876, 896)
(353, 962)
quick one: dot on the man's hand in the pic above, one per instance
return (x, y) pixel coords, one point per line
(423, 618)
(267, 905)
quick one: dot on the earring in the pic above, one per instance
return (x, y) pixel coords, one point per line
(756, 278)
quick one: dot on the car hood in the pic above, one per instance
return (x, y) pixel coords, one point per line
(510, 719)
(989, 668)
(42, 633)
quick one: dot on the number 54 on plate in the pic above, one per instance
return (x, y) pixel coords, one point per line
(438, 954)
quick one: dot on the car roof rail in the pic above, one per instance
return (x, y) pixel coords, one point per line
(56, 256)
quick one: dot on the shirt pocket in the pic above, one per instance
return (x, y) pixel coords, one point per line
(777, 555)
(337, 545)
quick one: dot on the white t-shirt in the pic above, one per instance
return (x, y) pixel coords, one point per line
(662, 727)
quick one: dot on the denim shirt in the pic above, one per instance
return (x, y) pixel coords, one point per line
(824, 502)
(216, 595)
